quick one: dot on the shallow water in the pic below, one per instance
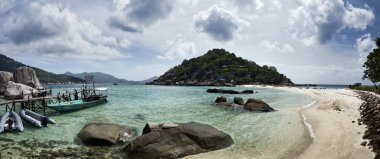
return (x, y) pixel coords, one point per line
(256, 135)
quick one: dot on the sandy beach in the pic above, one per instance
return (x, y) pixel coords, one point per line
(333, 120)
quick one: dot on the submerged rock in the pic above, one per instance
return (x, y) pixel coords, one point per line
(176, 140)
(253, 104)
(27, 76)
(105, 134)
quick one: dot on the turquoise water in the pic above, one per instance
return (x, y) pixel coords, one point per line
(259, 135)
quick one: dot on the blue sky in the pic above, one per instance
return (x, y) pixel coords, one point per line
(310, 41)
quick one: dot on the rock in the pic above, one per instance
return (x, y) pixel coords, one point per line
(213, 90)
(179, 141)
(253, 104)
(18, 90)
(105, 134)
(149, 127)
(239, 101)
(221, 99)
(4, 78)
(247, 92)
(364, 143)
(230, 92)
(27, 76)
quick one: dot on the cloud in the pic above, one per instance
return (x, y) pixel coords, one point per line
(219, 23)
(276, 46)
(47, 29)
(248, 4)
(317, 21)
(135, 15)
(178, 48)
(364, 45)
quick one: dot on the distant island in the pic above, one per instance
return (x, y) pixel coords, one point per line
(219, 67)
(9, 65)
(100, 77)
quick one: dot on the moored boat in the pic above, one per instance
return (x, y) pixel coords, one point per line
(30, 119)
(39, 116)
(98, 97)
(11, 121)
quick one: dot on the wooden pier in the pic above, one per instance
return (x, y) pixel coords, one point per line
(40, 103)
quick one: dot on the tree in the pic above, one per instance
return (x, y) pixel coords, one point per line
(372, 65)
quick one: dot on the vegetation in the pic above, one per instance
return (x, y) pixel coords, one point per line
(220, 67)
(372, 65)
(10, 65)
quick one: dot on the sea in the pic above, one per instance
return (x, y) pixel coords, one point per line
(279, 134)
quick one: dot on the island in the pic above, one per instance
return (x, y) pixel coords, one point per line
(219, 67)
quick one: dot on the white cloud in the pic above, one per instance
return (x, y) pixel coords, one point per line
(48, 29)
(178, 48)
(358, 18)
(276, 46)
(136, 15)
(219, 23)
(317, 21)
(364, 45)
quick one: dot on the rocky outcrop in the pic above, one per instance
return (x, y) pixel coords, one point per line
(105, 134)
(370, 116)
(27, 76)
(4, 78)
(253, 104)
(238, 100)
(18, 90)
(176, 140)
(224, 91)
(247, 92)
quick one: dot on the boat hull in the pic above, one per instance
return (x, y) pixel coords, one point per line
(30, 119)
(75, 105)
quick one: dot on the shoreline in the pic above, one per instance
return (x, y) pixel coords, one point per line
(332, 123)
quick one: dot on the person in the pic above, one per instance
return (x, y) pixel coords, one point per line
(10, 123)
(76, 94)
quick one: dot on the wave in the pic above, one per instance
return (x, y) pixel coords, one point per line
(308, 126)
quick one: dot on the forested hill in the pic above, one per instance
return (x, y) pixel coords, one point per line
(220, 67)
(10, 65)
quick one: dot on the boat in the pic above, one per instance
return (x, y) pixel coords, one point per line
(115, 84)
(39, 116)
(30, 120)
(16, 124)
(98, 96)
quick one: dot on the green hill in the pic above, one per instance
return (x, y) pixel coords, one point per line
(220, 67)
(10, 65)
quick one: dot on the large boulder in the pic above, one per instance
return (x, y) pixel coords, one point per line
(105, 134)
(18, 90)
(239, 101)
(220, 99)
(27, 76)
(4, 78)
(177, 140)
(253, 104)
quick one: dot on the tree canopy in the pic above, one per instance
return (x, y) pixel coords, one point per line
(372, 65)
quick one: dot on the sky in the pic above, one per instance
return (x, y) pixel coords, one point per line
(310, 41)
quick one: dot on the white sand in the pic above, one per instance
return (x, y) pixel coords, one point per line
(336, 137)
